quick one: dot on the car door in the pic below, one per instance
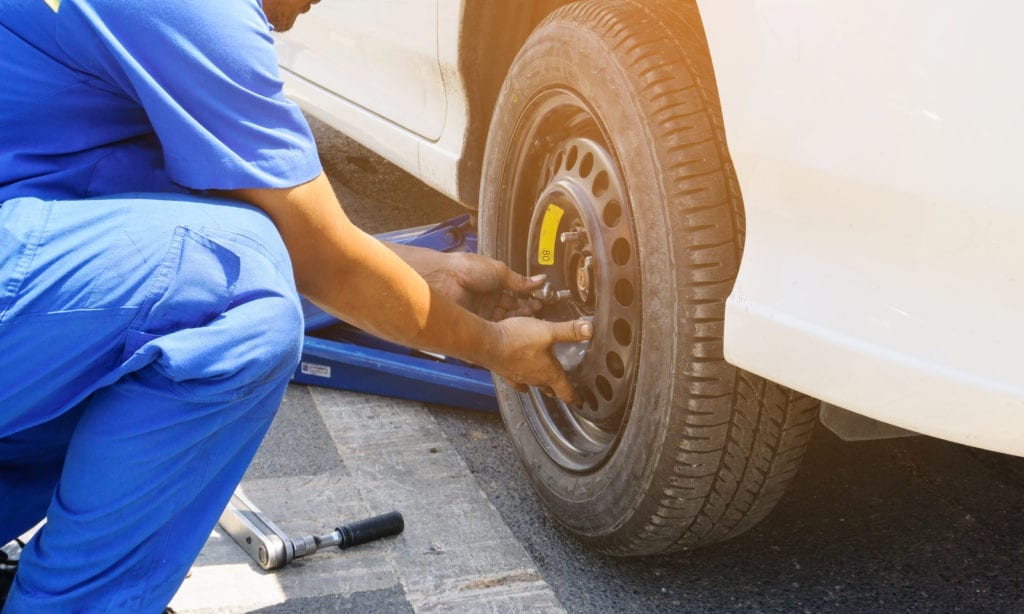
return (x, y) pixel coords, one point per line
(381, 55)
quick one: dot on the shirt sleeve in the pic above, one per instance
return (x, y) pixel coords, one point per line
(205, 73)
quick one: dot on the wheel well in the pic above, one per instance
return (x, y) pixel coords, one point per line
(484, 61)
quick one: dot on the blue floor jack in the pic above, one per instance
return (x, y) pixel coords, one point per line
(338, 355)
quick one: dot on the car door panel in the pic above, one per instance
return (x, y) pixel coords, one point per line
(378, 54)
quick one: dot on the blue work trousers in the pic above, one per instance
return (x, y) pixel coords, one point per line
(145, 344)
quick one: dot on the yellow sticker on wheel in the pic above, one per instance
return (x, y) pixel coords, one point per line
(549, 234)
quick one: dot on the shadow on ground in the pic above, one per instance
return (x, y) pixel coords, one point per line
(911, 525)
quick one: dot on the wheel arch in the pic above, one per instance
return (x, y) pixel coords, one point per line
(484, 61)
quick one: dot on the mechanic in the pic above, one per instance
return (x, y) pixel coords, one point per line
(162, 206)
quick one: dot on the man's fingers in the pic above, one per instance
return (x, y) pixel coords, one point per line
(520, 284)
(573, 330)
(528, 356)
(523, 308)
(564, 390)
(570, 331)
(507, 302)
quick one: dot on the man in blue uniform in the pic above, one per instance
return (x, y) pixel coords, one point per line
(161, 207)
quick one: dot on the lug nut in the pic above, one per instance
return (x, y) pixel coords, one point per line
(543, 293)
(547, 295)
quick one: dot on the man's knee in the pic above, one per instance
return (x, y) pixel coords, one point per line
(265, 311)
(230, 318)
(279, 346)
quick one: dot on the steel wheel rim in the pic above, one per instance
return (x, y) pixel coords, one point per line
(561, 157)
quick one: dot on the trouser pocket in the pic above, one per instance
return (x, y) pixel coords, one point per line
(22, 225)
(193, 286)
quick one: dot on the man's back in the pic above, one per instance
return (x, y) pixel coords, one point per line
(105, 97)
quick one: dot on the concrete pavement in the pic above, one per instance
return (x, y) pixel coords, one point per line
(332, 457)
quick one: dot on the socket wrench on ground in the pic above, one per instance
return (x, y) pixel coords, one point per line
(271, 547)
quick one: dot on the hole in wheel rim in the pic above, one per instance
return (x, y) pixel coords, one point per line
(614, 363)
(624, 292)
(622, 332)
(621, 252)
(586, 165)
(612, 214)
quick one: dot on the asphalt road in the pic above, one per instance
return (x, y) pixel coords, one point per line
(912, 524)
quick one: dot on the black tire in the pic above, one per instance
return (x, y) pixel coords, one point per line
(610, 111)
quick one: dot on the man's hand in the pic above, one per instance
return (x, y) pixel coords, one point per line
(524, 354)
(482, 285)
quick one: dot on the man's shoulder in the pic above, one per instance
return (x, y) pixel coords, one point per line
(181, 12)
(144, 28)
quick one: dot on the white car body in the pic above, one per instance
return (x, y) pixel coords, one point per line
(876, 145)
(386, 74)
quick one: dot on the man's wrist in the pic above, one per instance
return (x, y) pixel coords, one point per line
(422, 260)
(485, 343)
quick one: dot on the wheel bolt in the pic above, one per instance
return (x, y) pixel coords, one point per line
(581, 280)
(583, 276)
(570, 237)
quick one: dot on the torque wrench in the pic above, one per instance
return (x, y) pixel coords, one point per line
(271, 547)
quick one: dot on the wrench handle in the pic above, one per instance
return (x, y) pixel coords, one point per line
(370, 529)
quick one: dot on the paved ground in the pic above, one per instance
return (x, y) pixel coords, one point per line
(333, 457)
(912, 525)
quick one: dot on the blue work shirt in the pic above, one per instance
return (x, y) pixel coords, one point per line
(101, 97)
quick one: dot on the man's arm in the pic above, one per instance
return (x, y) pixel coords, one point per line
(356, 277)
